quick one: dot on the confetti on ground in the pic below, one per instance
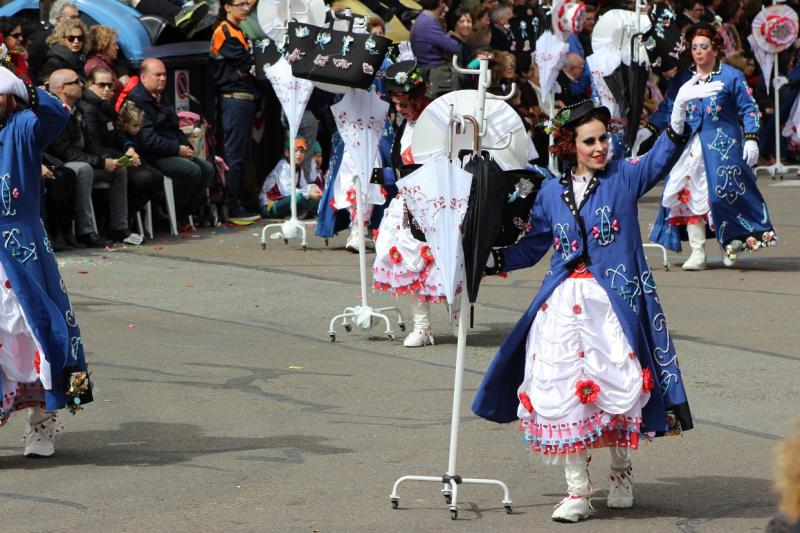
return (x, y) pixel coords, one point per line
(131, 326)
(190, 285)
(82, 272)
(295, 367)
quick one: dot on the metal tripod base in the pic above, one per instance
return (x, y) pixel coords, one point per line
(362, 315)
(288, 229)
(450, 490)
(778, 170)
(663, 252)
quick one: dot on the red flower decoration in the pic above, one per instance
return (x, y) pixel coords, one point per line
(351, 196)
(647, 380)
(395, 255)
(684, 195)
(502, 274)
(37, 361)
(385, 193)
(587, 391)
(15, 192)
(595, 232)
(426, 254)
(556, 243)
(8, 284)
(526, 402)
(615, 225)
(332, 203)
(375, 233)
(574, 245)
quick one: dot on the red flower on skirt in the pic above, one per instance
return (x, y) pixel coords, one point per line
(587, 391)
(684, 195)
(375, 234)
(526, 402)
(395, 255)
(37, 361)
(647, 380)
(332, 203)
(427, 254)
(351, 196)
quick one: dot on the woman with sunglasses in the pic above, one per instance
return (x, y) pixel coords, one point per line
(712, 187)
(66, 48)
(580, 367)
(12, 36)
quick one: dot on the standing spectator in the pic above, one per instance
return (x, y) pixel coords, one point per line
(164, 145)
(97, 108)
(102, 51)
(585, 35)
(12, 36)
(72, 148)
(232, 67)
(60, 11)
(502, 36)
(462, 32)
(429, 42)
(66, 49)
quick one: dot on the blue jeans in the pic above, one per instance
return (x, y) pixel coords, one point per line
(190, 180)
(237, 129)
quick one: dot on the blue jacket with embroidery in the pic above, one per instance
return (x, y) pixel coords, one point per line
(603, 232)
(26, 255)
(737, 207)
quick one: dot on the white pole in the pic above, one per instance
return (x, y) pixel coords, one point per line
(484, 79)
(455, 418)
(777, 119)
(293, 166)
(362, 251)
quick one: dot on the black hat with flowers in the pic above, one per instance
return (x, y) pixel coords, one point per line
(403, 77)
(573, 113)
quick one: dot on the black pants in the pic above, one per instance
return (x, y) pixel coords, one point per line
(59, 202)
(145, 184)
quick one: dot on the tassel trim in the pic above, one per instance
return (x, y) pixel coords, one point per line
(599, 431)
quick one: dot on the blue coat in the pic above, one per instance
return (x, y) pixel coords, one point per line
(615, 257)
(737, 207)
(26, 253)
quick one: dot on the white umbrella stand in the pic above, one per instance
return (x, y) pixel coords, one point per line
(451, 480)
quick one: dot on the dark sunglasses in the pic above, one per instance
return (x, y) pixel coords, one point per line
(73, 38)
(104, 84)
(17, 36)
(76, 81)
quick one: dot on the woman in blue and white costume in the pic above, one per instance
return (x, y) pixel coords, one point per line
(590, 364)
(42, 366)
(713, 183)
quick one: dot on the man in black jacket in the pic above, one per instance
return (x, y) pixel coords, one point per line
(163, 145)
(70, 148)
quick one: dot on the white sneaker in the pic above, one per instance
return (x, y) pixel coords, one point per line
(573, 508)
(418, 338)
(696, 261)
(39, 438)
(620, 491)
(352, 243)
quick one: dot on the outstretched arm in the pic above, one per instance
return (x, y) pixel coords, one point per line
(531, 248)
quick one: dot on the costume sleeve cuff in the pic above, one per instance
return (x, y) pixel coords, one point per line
(652, 129)
(33, 96)
(499, 263)
(751, 137)
(679, 138)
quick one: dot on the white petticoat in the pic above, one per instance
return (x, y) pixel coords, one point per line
(344, 189)
(686, 190)
(20, 362)
(400, 266)
(575, 339)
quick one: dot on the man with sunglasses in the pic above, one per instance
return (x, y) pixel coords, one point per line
(42, 365)
(71, 147)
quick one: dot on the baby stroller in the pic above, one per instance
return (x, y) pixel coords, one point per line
(213, 210)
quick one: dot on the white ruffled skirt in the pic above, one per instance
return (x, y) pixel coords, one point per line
(584, 386)
(686, 190)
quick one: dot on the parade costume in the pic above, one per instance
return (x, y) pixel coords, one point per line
(712, 182)
(591, 363)
(42, 365)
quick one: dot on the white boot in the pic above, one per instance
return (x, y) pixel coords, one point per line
(40, 434)
(576, 506)
(421, 334)
(352, 241)
(620, 490)
(697, 242)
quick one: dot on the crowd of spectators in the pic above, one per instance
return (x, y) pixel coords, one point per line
(125, 135)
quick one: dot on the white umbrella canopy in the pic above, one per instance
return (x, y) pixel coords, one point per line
(360, 117)
(436, 195)
(292, 92)
(550, 53)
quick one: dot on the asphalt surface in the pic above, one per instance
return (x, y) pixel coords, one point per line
(222, 405)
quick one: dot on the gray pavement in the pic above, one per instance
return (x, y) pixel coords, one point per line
(221, 404)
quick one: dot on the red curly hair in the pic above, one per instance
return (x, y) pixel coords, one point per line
(565, 137)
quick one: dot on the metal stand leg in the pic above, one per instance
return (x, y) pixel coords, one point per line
(663, 251)
(291, 228)
(451, 480)
(362, 315)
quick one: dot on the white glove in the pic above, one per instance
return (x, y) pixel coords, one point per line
(11, 84)
(691, 90)
(779, 81)
(490, 261)
(750, 154)
(641, 136)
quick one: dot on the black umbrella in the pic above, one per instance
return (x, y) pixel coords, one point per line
(488, 194)
(637, 82)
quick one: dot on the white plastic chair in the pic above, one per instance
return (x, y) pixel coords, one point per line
(170, 196)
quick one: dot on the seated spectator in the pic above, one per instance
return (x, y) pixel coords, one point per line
(60, 11)
(163, 145)
(376, 26)
(145, 183)
(463, 33)
(502, 37)
(12, 36)
(71, 147)
(569, 81)
(316, 174)
(66, 49)
(275, 198)
(103, 50)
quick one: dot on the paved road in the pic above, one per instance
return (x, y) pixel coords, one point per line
(221, 404)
